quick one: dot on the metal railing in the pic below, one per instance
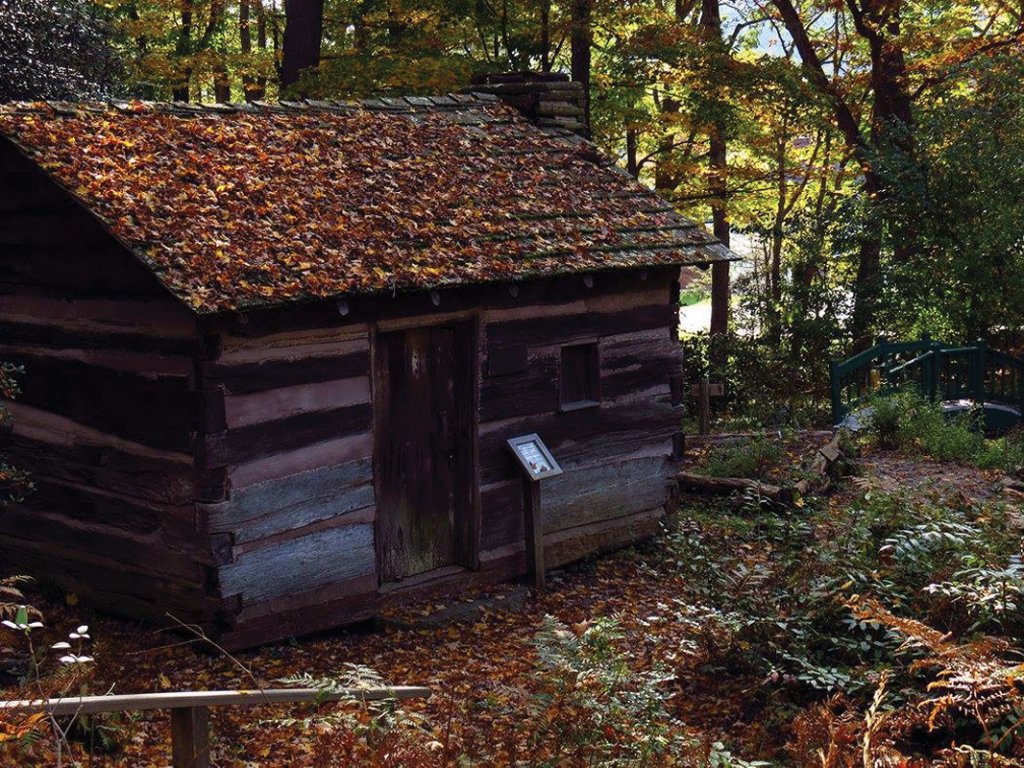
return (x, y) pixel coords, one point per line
(940, 372)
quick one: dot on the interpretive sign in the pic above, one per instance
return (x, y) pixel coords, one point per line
(534, 457)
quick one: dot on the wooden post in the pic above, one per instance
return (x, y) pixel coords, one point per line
(980, 360)
(704, 406)
(534, 532)
(190, 737)
(838, 412)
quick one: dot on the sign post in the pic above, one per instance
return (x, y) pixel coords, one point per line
(537, 463)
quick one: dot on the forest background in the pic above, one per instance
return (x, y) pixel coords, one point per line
(866, 157)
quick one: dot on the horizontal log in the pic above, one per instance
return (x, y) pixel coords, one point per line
(299, 614)
(286, 402)
(726, 485)
(313, 487)
(51, 429)
(59, 337)
(497, 296)
(162, 318)
(114, 589)
(147, 478)
(143, 702)
(365, 515)
(148, 365)
(313, 510)
(586, 495)
(633, 363)
(156, 411)
(88, 504)
(577, 543)
(534, 390)
(576, 306)
(298, 564)
(581, 496)
(328, 341)
(590, 324)
(101, 543)
(247, 378)
(594, 435)
(245, 444)
(316, 455)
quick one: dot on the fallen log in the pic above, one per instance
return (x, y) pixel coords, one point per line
(726, 485)
(828, 465)
(1012, 484)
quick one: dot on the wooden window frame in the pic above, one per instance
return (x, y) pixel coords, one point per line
(593, 383)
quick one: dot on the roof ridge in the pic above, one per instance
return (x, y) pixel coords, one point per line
(382, 103)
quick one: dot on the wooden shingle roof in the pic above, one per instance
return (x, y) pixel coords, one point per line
(253, 205)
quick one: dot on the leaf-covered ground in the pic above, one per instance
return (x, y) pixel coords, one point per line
(484, 673)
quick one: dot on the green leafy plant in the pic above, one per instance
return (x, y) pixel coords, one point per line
(598, 709)
(753, 459)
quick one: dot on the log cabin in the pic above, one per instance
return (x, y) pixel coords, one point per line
(273, 353)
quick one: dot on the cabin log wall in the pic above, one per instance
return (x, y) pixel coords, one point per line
(108, 413)
(615, 455)
(295, 523)
(293, 439)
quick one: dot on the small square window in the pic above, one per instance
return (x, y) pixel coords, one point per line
(580, 376)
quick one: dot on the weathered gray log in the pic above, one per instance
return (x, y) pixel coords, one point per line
(726, 485)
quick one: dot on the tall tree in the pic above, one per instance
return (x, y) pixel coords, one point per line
(711, 27)
(303, 37)
(580, 42)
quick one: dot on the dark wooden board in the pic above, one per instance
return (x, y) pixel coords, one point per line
(241, 379)
(548, 291)
(246, 444)
(158, 411)
(531, 391)
(116, 471)
(105, 546)
(563, 328)
(58, 337)
(273, 496)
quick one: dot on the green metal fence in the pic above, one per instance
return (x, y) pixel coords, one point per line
(988, 378)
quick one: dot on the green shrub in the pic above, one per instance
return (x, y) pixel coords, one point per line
(907, 420)
(749, 459)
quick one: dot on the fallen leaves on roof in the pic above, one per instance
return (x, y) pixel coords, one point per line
(258, 207)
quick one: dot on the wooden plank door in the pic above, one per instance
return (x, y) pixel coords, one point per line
(424, 436)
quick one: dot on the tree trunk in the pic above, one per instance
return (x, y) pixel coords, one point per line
(545, 35)
(580, 42)
(666, 177)
(711, 27)
(183, 50)
(631, 158)
(249, 86)
(877, 22)
(303, 30)
(261, 43)
(222, 84)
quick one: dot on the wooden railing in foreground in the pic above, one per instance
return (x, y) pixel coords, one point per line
(190, 717)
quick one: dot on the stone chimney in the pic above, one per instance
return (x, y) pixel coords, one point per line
(549, 99)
